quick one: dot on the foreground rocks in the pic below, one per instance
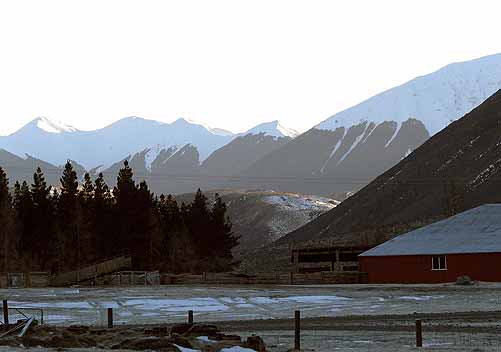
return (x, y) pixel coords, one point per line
(198, 337)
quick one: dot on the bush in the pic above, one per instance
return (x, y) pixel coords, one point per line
(464, 281)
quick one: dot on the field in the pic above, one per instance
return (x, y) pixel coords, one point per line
(340, 317)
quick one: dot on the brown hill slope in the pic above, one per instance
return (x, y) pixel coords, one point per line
(457, 168)
(262, 217)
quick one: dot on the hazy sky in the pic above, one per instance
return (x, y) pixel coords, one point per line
(230, 64)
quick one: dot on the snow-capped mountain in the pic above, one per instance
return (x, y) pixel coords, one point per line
(274, 129)
(55, 142)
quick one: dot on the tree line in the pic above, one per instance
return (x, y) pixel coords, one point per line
(59, 229)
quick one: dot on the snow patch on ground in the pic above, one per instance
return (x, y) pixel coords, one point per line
(205, 339)
(184, 349)
(178, 305)
(237, 349)
(419, 298)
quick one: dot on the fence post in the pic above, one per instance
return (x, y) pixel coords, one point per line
(5, 312)
(190, 317)
(297, 330)
(110, 318)
(419, 334)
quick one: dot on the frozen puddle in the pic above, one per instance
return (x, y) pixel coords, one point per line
(178, 305)
(140, 305)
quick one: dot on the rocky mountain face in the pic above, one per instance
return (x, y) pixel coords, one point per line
(179, 170)
(457, 169)
(343, 160)
(348, 150)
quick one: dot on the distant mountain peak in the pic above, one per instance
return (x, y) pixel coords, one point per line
(135, 120)
(274, 129)
(183, 121)
(52, 126)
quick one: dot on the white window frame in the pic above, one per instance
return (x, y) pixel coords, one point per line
(439, 268)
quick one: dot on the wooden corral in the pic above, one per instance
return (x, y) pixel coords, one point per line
(92, 272)
(326, 258)
(24, 280)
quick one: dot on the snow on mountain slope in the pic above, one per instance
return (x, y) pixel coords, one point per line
(294, 210)
(151, 154)
(435, 99)
(261, 217)
(274, 129)
(53, 126)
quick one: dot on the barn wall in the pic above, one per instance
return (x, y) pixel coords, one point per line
(417, 269)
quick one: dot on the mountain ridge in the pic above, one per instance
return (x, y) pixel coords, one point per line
(456, 169)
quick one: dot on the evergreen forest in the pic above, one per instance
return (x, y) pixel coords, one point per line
(57, 229)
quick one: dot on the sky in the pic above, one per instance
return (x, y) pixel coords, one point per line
(229, 64)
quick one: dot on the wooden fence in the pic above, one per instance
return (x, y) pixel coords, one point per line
(320, 278)
(130, 278)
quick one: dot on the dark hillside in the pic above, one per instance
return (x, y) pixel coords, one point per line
(457, 169)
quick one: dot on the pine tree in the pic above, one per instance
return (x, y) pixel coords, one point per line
(101, 222)
(125, 212)
(23, 208)
(145, 239)
(198, 224)
(42, 231)
(68, 220)
(223, 238)
(173, 235)
(7, 249)
(87, 191)
(88, 250)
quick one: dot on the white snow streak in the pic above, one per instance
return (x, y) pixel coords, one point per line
(334, 150)
(397, 129)
(354, 145)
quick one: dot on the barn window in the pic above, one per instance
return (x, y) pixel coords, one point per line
(438, 263)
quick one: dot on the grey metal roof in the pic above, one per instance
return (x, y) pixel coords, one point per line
(477, 230)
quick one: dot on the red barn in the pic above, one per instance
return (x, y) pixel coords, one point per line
(465, 244)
